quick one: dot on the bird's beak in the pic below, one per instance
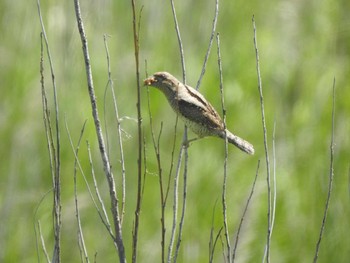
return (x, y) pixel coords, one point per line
(149, 81)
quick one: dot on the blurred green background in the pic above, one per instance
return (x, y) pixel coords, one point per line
(303, 45)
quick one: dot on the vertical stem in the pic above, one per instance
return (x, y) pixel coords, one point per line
(156, 146)
(57, 156)
(330, 184)
(175, 205)
(268, 238)
(224, 204)
(182, 56)
(139, 135)
(184, 198)
(215, 20)
(105, 160)
(119, 129)
(183, 149)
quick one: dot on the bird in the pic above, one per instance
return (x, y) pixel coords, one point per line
(194, 110)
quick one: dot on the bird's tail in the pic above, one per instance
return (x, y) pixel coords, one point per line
(239, 142)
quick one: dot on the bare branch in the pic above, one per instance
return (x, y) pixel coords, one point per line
(183, 210)
(224, 258)
(175, 205)
(156, 146)
(267, 249)
(182, 149)
(46, 114)
(35, 230)
(81, 241)
(172, 161)
(330, 184)
(104, 216)
(104, 156)
(43, 243)
(215, 20)
(212, 244)
(218, 235)
(182, 55)
(57, 157)
(234, 253)
(119, 129)
(274, 181)
(136, 31)
(224, 205)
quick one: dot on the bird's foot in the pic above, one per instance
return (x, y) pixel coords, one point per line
(186, 144)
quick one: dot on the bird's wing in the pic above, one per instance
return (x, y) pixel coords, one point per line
(197, 109)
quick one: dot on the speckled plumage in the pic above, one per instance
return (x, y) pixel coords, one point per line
(191, 106)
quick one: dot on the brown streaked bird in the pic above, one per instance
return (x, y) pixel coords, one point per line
(194, 109)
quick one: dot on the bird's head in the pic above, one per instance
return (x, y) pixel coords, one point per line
(163, 81)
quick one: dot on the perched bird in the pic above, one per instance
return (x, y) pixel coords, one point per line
(194, 109)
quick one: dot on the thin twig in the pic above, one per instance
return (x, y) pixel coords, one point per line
(163, 192)
(330, 184)
(109, 84)
(268, 238)
(103, 153)
(119, 129)
(145, 165)
(43, 243)
(274, 179)
(224, 258)
(183, 210)
(46, 113)
(156, 146)
(81, 241)
(57, 179)
(215, 20)
(211, 243)
(217, 238)
(136, 32)
(104, 216)
(224, 204)
(175, 206)
(234, 252)
(214, 245)
(182, 149)
(211, 250)
(144, 152)
(49, 136)
(171, 161)
(182, 54)
(35, 230)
